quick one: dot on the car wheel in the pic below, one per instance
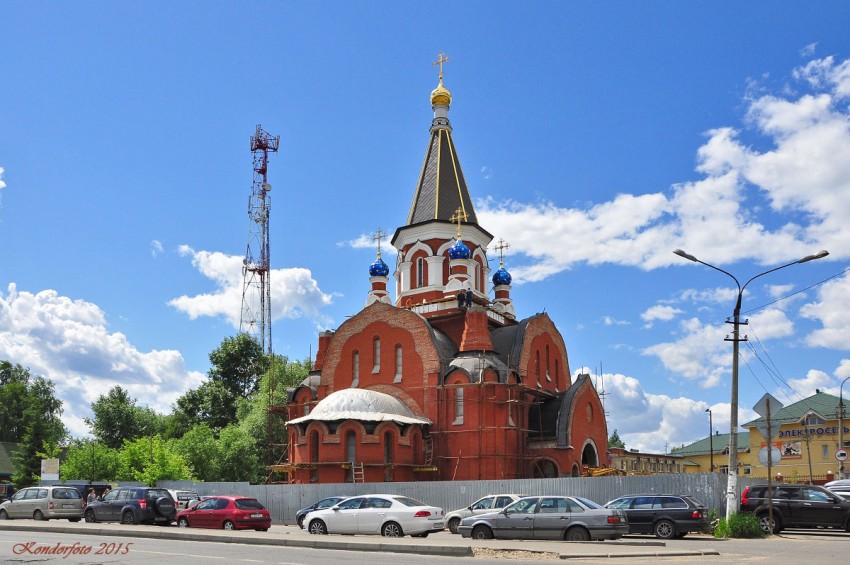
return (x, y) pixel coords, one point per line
(182, 523)
(3, 515)
(128, 518)
(453, 524)
(318, 528)
(482, 532)
(38, 515)
(89, 517)
(846, 526)
(764, 523)
(392, 530)
(228, 525)
(577, 534)
(665, 529)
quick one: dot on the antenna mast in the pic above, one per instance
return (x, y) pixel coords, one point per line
(256, 319)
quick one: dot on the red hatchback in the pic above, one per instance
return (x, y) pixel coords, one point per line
(227, 512)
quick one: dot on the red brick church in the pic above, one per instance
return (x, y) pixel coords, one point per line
(444, 383)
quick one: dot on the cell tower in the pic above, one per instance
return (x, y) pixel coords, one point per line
(256, 318)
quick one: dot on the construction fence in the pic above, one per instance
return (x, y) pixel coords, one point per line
(284, 500)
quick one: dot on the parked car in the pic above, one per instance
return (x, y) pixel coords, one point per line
(568, 518)
(483, 505)
(182, 498)
(228, 513)
(319, 505)
(387, 514)
(44, 503)
(665, 515)
(134, 505)
(841, 486)
(796, 506)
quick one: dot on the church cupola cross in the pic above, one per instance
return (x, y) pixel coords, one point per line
(442, 59)
(379, 235)
(503, 245)
(458, 216)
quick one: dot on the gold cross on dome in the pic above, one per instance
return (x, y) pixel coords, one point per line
(501, 249)
(458, 216)
(440, 62)
(378, 237)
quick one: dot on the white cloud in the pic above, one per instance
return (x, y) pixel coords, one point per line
(659, 312)
(2, 184)
(813, 381)
(652, 422)
(68, 342)
(156, 247)
(803, 174)
(700, 353)
(294, 292)
(367, 241)
(486, 173)
(832, 312)
(610, 321)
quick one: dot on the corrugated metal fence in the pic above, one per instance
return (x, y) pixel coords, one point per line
(285, 500)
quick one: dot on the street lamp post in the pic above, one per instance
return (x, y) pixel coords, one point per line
(710, 441)
(732, 483)
(841, 426)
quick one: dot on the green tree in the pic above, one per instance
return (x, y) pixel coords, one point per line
(200, 449)
(117, 418)
(90, 461)
(615, 441)
(151, 459)
(238, 461)
(32, 418)
(14, 397)
(212, 404)
(238, 363)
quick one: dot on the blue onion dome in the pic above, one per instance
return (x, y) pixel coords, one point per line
(502, 276)
(459, 250)
(378, 268)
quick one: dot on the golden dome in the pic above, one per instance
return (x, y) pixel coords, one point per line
(441, 95)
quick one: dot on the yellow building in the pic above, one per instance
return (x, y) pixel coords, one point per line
(806, 443)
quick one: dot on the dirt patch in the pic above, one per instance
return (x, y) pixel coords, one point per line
(486, 552)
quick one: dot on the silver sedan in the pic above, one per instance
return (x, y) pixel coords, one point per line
(567, 518)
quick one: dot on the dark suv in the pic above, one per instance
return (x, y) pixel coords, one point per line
(134, 505)
(665, 515)
(797, 506)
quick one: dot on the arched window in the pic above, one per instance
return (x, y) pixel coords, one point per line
(398, 357)
(548, 378)
(376, 355)
(351, 452)
(355, 369)
(388, 456)
(458, 406)
(557, 373)
(314, 456)
(420, 272)
(537, 366)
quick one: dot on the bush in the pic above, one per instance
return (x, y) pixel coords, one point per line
(739, 525)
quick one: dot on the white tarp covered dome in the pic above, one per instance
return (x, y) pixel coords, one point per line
(361, 404)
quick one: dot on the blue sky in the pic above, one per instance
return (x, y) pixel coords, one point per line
(596, 138)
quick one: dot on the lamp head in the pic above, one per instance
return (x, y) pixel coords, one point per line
(687, 256)
(818, 255)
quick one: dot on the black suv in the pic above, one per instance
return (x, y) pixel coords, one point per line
(797, 506)
(134, 505)
(665, 515)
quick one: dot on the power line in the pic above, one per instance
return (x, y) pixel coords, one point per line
(797, 292)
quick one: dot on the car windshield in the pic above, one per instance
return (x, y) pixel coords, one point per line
(619, 503)
(248, 504)
(157, 493)
(588, 503)
(409, 501)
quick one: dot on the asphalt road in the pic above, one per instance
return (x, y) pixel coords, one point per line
(120, 544)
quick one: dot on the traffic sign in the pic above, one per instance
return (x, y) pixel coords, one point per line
(761, 409)
(840, 454)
